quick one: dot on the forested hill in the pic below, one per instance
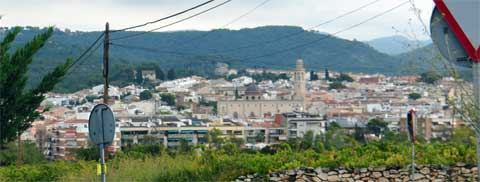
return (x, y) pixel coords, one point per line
(199, 51)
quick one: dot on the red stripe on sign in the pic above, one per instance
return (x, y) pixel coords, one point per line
(462, 37)
(478, 52)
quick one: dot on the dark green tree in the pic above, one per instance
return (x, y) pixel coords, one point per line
(171, 74)
(359, 134)
(430, 77)
(159, 73)
(231, 149)
(336, 85)
(122, 75)
(283, 76)
(139, 76)
(313, 76)
(337, 138)
(327, 75)
(237, 141)
(414, 96)
(237, 95)
(184, 148)
(88, 154)
(215, 138)
(377, 127)
(146, 95)
(318, 143)
(260, 137)
(30, 154)
(168, 98)
(181, 108)
(344, 77)
(18, 105)
(91, 98)
(307, 140)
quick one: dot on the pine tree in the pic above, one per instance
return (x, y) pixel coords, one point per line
(159, 73)
(171, 74)
(18, 105)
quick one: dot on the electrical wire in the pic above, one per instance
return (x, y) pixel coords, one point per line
(164, 18)
(176, 22)
(227, 24)
(301, 31)
(81, 63)
(326, 36)
(283, 50)
(152, 50)
(86, 51)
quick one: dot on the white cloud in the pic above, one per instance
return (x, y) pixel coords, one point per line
(90, 15)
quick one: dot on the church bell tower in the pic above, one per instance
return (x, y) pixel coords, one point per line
(299, 81)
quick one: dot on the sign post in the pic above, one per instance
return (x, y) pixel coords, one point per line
(455, 28)
(411, 135)
(101, 129)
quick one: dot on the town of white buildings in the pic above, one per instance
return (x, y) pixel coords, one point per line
(261, 113)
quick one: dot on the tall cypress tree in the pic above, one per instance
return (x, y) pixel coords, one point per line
(139, 76)
(313, 76)
(327, 75)
(18, 105)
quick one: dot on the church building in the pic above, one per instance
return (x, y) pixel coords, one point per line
(253, 105)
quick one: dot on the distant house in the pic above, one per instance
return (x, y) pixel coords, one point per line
(369, 80)
(149, 74)
(221, 69)
(348, 123)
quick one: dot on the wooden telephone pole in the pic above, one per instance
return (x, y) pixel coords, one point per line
(106, 45)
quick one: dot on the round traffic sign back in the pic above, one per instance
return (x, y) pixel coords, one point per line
(101, 125)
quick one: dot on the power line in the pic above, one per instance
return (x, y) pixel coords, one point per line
(302, 31)
(326, 36)
(152, 50)
(81, 63)
(86, 51)
(227, 24)
(164, 18)
(170, 24)
(286, 49)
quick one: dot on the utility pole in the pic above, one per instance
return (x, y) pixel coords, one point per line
(411, 123)
(106, 45)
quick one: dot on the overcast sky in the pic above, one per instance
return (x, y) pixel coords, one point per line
(91, 15)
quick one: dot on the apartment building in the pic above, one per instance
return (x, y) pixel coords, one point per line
(299, 123)
(170, 131)
(66, 136)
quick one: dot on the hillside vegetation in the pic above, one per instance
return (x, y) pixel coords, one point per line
(200, 51)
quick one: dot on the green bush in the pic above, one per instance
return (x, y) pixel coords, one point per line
(153, 163)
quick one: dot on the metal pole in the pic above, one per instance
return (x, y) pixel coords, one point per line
(19, 149)
(106, 45)
(413, 161)
(102, 162)
(476, 90)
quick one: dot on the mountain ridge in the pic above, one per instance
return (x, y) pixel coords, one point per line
(201, 50)
(397, 44)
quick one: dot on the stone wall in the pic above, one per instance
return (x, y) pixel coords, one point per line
(458, 172)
